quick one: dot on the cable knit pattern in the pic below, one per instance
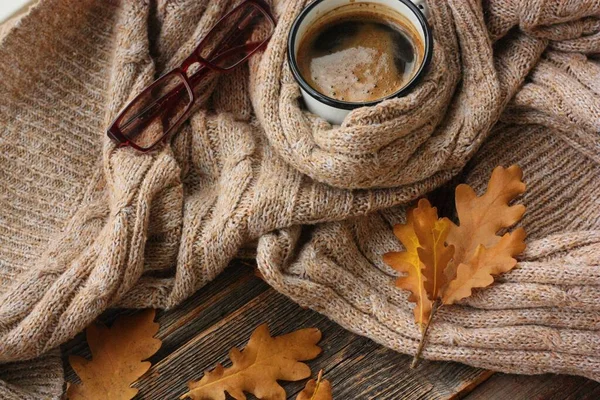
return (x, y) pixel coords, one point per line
(543, 316)
(85, 225)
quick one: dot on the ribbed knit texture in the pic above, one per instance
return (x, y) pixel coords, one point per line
(85, 226)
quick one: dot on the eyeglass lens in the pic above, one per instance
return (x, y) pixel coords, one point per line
(236, 37)
(155, 111)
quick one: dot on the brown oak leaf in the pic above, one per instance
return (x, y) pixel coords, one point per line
(482, 217)
(258, 367)
(479, 271)
(316, 390)
(480, 252)
(117, 354)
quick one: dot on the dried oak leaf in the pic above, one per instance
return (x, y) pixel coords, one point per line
(316, 390)
(477, 273)
(117, 354)
(433, 251)
(424, 259)
(258, 367)
(408, 262)
(480, 252)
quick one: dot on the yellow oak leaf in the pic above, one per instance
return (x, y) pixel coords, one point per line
(117, 354)
(433, 251)
(425, 258)
(408, 262)
(316, 390)
(258, 367)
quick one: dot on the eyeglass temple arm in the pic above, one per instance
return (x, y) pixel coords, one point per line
(241, 23)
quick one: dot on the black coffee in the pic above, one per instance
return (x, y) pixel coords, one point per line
(359, 53)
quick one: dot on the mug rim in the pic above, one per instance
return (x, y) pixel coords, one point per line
(347, 105)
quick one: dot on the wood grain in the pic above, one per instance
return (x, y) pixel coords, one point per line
(201, 331)
(536, 387)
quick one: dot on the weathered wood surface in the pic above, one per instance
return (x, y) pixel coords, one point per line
(200, 332)
(546, 387)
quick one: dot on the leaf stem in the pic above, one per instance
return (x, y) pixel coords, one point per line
(317, 384)
(417, 356)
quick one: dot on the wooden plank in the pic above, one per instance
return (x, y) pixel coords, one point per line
(375, 372)
(469, 385)
(356, 366)
(201, 331)
(212, 345)
(546, 387)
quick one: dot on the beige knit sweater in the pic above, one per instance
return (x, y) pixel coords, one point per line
(85, 226)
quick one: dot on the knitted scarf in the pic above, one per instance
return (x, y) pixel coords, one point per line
(85, 225)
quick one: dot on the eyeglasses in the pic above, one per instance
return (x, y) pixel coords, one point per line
(160, 108)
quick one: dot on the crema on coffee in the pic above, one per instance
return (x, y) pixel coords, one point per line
(359, 53)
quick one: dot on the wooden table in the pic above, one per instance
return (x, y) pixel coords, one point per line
(200, 332)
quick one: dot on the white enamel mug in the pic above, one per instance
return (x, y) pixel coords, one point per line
(334, 110)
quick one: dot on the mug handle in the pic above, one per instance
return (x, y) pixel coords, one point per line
(422, 6)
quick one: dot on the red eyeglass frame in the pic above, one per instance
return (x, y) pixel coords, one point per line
(114, 131)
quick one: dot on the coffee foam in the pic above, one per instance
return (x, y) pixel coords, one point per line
(337, 74)
(364, 69)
